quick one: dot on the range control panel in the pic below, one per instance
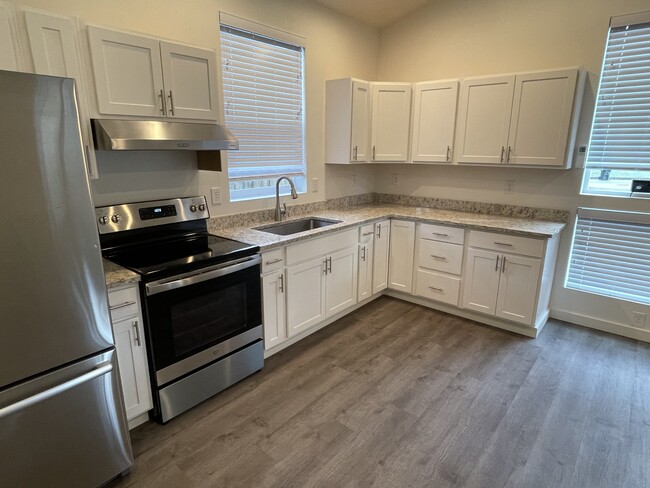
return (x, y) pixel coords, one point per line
(117, 218)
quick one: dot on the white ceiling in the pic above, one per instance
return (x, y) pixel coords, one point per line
(377, 13)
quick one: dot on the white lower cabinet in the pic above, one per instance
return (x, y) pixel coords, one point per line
(128, 331)
(402, 243)
(366, 250)
(305, 295)
(381, 248)
(500, 283)
(274, 309)
(341, 281)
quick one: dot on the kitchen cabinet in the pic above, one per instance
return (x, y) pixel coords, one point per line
(402, 244)
(366, 250)
(439, 257)
(341, 281)
(273, 293)
(434, 121)
(128, 331)
(391, 116)
(305, 295)
(141, 76)
(380, 256)
(525, 119)
(347, 121)
(10, 51)
(55, 51)
(499, 280)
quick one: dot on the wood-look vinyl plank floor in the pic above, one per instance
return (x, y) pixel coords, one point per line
(397, 395)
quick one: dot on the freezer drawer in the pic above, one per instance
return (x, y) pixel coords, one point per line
(66, 428)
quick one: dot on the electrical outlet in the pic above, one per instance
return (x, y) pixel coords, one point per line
(638, 319)
(396, 179)
(509, 187)
(216, 195)
(314, 185)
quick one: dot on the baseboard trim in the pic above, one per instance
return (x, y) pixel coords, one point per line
(603, 325)
(139, 420)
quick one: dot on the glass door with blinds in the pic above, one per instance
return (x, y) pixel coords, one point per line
(263, 88)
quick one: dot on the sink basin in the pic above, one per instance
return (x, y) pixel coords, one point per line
(295, 226)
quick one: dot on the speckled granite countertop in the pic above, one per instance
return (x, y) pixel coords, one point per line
(359, 215)
(117, 275)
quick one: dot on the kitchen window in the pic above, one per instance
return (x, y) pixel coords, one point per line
(264, 100)
(619, 145)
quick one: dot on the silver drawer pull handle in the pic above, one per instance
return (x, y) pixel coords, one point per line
(121, 305)
(439, 234)
(502, 244)
(439, 257)
(273, 262)
(437, 289)
(367, 233)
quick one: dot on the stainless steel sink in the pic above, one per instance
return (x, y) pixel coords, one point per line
(295, 226)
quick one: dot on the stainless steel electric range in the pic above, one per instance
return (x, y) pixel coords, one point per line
(200, 293)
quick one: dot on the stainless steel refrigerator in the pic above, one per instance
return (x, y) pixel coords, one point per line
(62, 421)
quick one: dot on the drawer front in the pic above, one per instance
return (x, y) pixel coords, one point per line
(526, 246)
(123, 303)
(438, 287)
(442, 233)
(366, 233)
(440, 256)
(272, 260)
(320, 246)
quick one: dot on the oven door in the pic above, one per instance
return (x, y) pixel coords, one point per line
(199, 317)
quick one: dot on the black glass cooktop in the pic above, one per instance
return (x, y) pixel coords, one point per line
(175, 256)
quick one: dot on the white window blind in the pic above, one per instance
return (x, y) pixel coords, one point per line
(264, 107)
(611, 254)
(619, 146)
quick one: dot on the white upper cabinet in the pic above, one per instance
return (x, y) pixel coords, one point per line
(434, 120)
(347, 121)
(541, 118)
(484, 119)
(391, 115)
(55, 51)
(141, 76)
(525, 120)
(10, 53)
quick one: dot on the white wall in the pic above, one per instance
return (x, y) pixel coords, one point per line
(336, 47)
(460, 38)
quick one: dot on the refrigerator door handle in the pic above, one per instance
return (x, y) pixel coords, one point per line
(100, 370)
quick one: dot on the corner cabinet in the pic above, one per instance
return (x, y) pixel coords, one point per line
(402, 244)
(524, 120)
(391, 116)
(128, 331)
(434, 121)
(347, 121)
(142, 76)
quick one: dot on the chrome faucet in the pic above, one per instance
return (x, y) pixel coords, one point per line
(281, 211)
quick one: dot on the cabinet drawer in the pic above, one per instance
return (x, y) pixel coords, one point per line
(440, 256)
(272, 260)
(320, 246)
(526, 246)
(442, 233)
(366, 233)
(438, 287)
(123, 303)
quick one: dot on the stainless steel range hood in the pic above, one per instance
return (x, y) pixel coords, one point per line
(154, 135)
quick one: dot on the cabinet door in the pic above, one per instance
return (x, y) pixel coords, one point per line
(54, 48)
(360, 121)
(10, 54)
(434, 120)
(365, 270)
(341, 281)
(541, 118)
(128, 73)
(190, 80)
(484, 119)
(518, 288)
(132, 360)
(380, 256)
(305, 295)
(402, 248)
(391, 115)
(275, 327)
(481, 281)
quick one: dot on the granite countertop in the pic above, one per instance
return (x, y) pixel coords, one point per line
(117, 275)
(359, 215)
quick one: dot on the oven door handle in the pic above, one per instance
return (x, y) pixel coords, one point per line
(204, 275)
